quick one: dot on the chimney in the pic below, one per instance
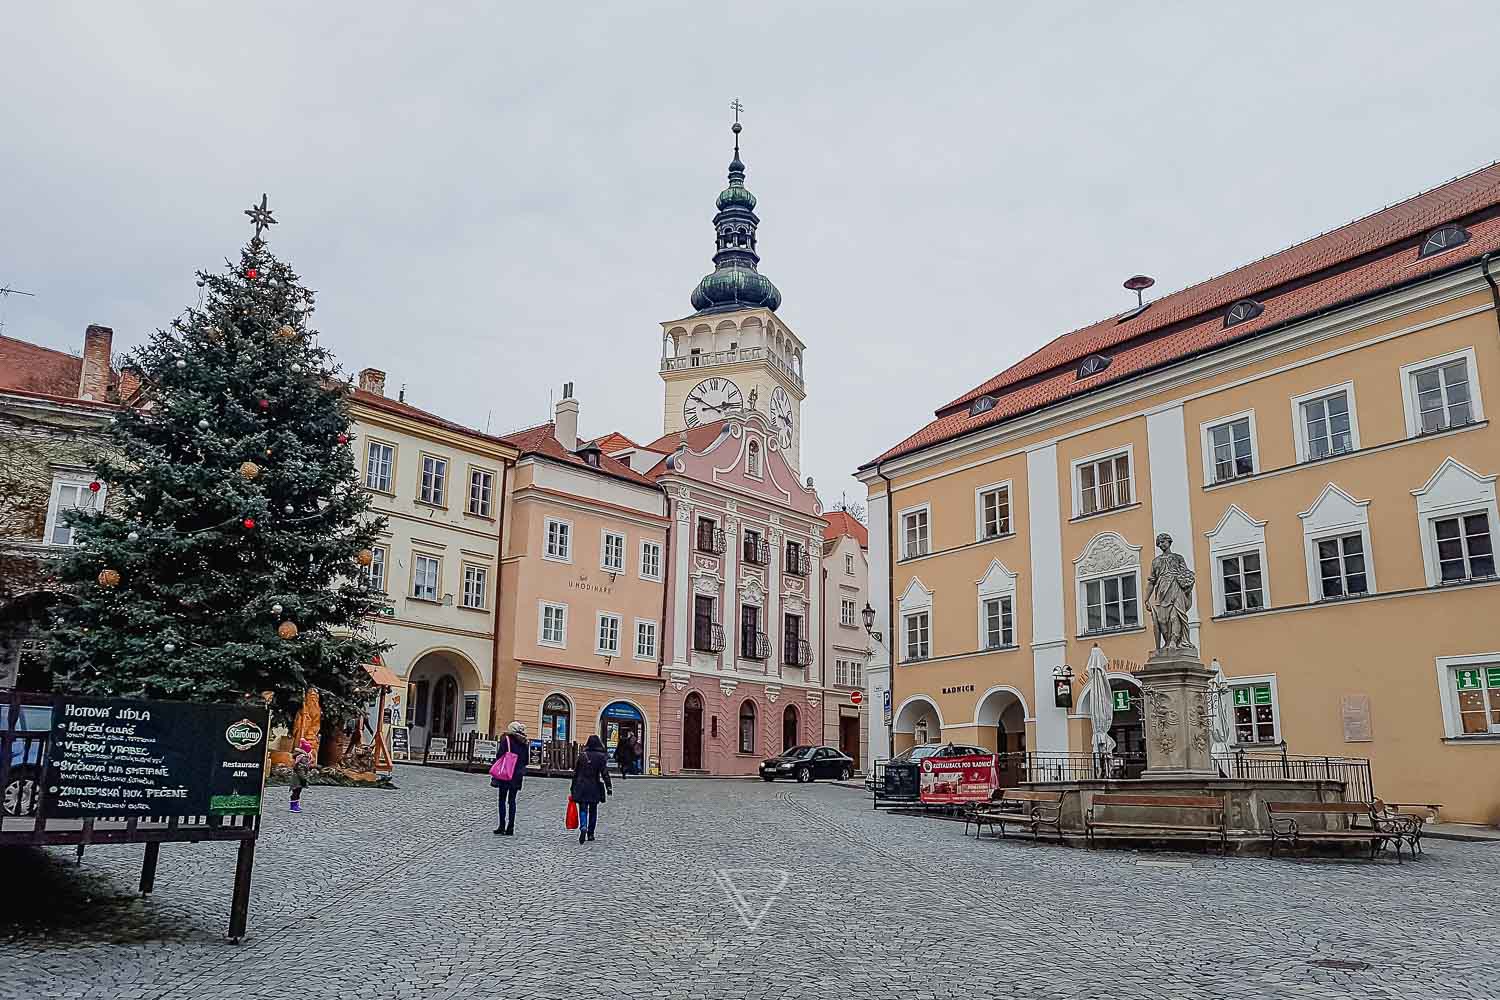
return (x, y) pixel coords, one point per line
(93, 383)
(372, 380)
(567, 418)
(130, 382)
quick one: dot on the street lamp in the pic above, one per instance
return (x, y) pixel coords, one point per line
(869, 615)
(1062, 686)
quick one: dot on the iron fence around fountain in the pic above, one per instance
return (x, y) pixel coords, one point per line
(1036, 765)
(1354, 772)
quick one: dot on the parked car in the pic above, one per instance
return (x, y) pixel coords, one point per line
(901, 772)
(807, 763)
(23, 785)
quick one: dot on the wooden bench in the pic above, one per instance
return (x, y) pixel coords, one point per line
(1020, 807)
(1212, 806)
(1286, 828)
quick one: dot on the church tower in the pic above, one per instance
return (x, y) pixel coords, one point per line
(734, 351)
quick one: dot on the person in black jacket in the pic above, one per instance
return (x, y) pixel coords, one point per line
(515, 742)
(625, 754)
(590, 785)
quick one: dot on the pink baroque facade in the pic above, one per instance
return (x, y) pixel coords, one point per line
(743, 678)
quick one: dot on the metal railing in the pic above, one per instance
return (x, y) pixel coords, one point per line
(731, 357)
(1354, 772)
(796, 652)
(798, 563)
(708, 638)
(710, 540)
(757, 553)
(553, 757)
(755, 645)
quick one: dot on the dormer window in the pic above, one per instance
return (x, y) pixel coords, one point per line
(590, 456)
(983, 404)
(1244, 309)
(1443, 238)
(1092, 365)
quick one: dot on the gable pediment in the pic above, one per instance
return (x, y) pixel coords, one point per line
(997, 580)
(1454, 484)
(916, 597)
(1107, 552)
(1334, 509)
(1236, 529)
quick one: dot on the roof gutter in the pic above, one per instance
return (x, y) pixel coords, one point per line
(1484, 268)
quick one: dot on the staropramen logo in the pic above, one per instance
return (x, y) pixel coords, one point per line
(244, 734)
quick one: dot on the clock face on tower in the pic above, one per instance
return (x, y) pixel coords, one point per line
(781, 415)
(709, 400)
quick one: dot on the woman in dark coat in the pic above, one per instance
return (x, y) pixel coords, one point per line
(590, 786)
(515, 741)
(625, 755)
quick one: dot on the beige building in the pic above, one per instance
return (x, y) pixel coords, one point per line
(581, 591)
(846, 644)
(1311, 431)
(442, 488)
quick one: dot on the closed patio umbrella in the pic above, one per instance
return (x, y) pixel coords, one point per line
(1101, 702)
(1219, 718)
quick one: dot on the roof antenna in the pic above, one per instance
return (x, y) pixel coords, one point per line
(8, 290)
(1139, 284)
(402, 397)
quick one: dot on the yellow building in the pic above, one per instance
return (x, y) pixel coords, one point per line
(1311, 431)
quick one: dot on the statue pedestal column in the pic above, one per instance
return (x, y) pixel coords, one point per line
(1179, 732)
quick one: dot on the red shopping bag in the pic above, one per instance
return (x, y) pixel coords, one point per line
(572, 822)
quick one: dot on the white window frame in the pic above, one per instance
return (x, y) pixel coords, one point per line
(848, 613)
(1102, 580)
(1075, 467)
(1205, 433)
(390, 469)
(925, 653)
(542, 608)
(856, 674)
(848, 563)
(600, 619)
(486, 502)
(80, 481)
(1339, 536)
(476, 579)
(1007, 602)
(925, 510)
(1452, 491)
(379, 556)
(648, 544)
(1107, 554)
(998, 582)
(437, 496)
(1448, 695)
(1010, 511)
(417, 558)
(1222, 596)
(1299, 426)
(562, 557)
(1344, 516)
(1237, 534)
(647, 625)
(605, 534)
(1409, 389)
(1254, 680)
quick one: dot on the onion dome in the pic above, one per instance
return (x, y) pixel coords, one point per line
(735, 283)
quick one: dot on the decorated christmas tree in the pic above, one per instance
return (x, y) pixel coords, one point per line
(228, 562)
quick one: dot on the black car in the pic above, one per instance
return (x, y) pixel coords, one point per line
(807, 763)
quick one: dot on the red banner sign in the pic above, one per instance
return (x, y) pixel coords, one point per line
(959, 779)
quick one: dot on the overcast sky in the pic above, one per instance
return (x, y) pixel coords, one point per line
(499, 198)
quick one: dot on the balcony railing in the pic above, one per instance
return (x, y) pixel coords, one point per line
(710, 540)
(798, 563)
(796, 653)
(755, 645)
(756, 552)
(708, 637)
(729, 358)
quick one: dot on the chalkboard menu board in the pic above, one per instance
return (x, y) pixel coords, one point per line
(116, 757)
(400, 742)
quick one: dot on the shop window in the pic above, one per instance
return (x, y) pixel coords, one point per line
(1255, 714)
(747, 727)
(1477, 691)
(557, 719)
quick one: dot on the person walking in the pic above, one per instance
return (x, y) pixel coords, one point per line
(515, 742)
(590, 786)
(302, 763)
(625, 754)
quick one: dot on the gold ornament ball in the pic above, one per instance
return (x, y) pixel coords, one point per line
(249, 470)
(287, 630)
(286, 333)
(365, 557)
(109, 578)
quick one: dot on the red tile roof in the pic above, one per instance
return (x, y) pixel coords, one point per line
(38, 369)
(614, 441)
(841, 522)
(542, 440)
(378, 402)
(698, 438)
(1352, 262)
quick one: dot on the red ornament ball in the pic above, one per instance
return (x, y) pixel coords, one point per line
(252, 274)
(94, 487)
(343, 439)
(249, 523)
(264, 404)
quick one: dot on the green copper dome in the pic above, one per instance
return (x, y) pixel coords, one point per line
(735, 283)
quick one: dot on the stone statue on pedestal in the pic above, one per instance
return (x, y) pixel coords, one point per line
(1169, 596)
(1174, 682)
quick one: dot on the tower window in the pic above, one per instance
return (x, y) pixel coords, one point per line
(1244, 309)
(1443, 238)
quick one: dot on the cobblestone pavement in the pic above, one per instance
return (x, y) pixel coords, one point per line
(723, 889)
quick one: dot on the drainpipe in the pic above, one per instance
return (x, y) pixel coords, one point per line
(1484, 267)
(823, 653)
(890, 608)
(499, 591)
(661, 641)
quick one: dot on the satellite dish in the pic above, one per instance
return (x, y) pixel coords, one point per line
(1139, 284)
